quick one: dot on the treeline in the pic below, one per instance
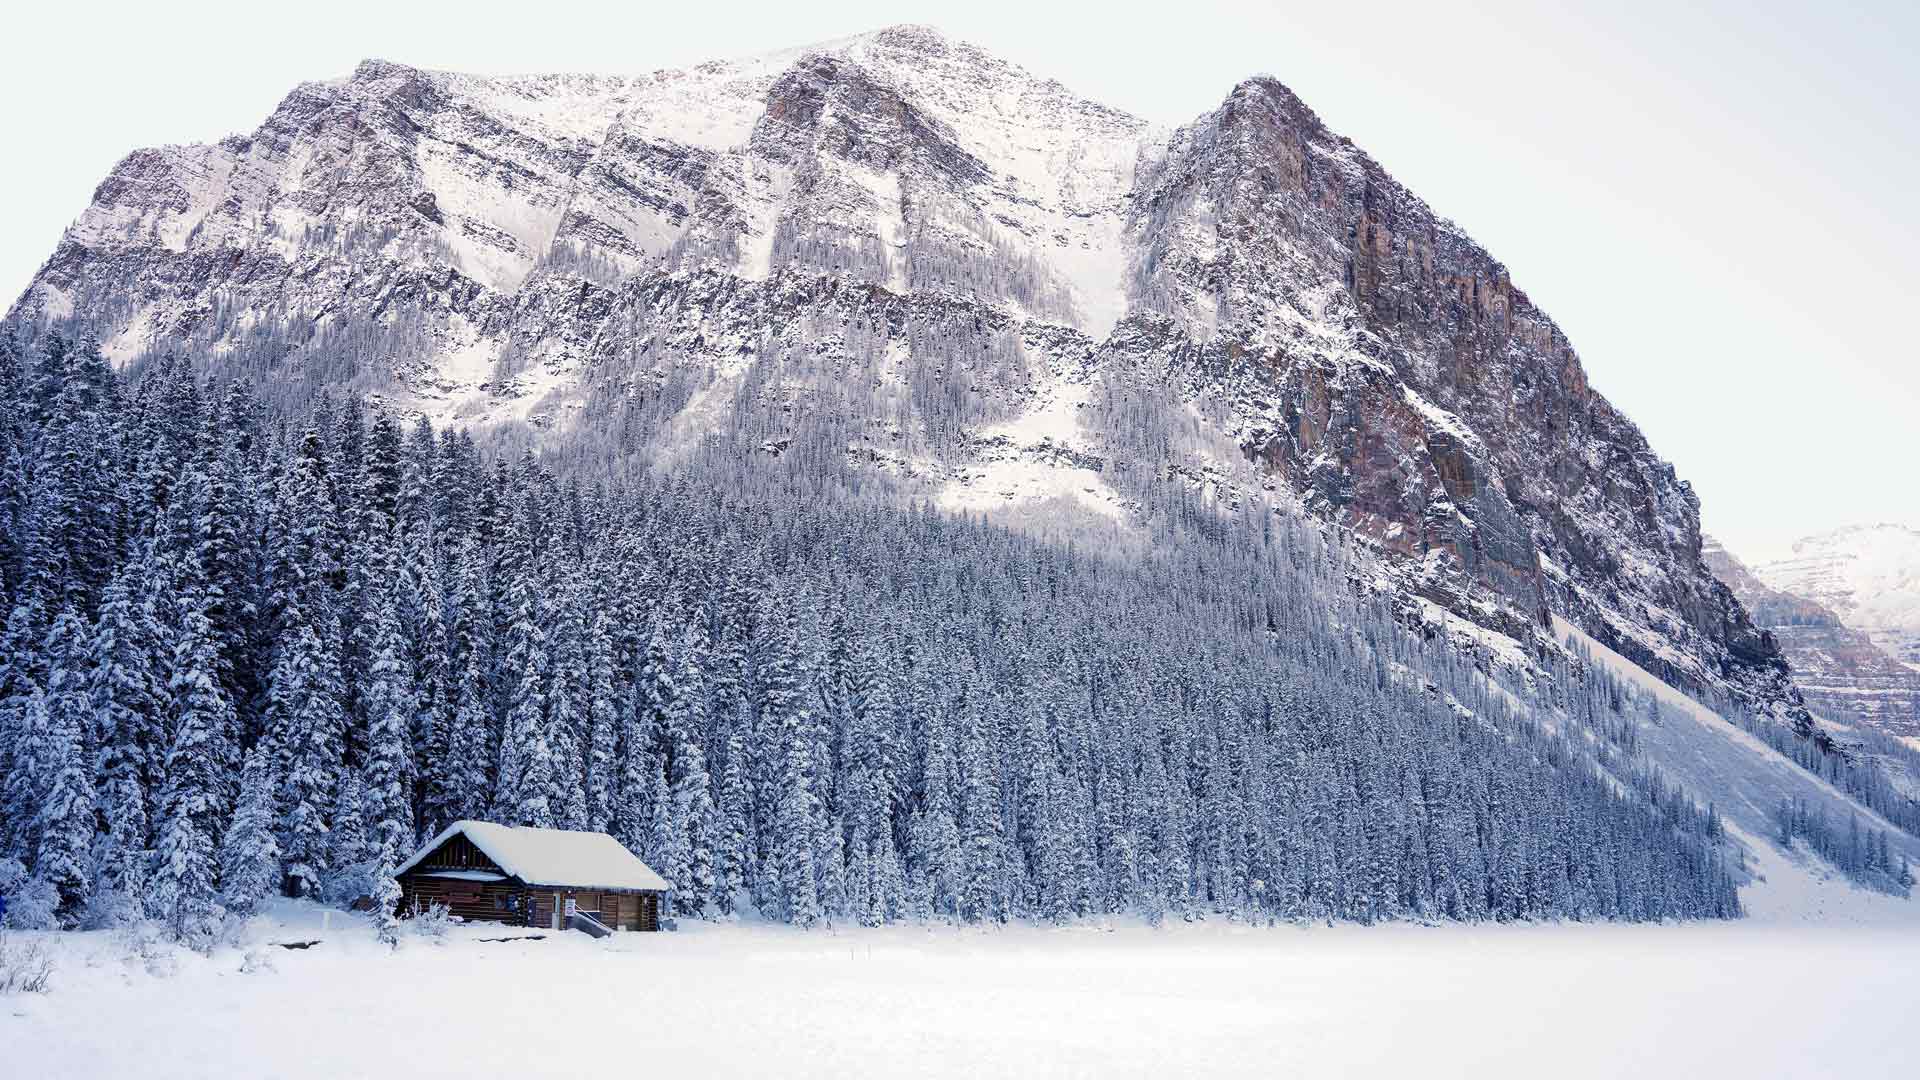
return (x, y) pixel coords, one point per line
(1855, 769)
(253, 652)
(1862, 854)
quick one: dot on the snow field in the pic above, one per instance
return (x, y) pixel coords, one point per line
(1187, 1000)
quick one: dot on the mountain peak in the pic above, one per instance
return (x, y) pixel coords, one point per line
(373, 68)
(986, 263)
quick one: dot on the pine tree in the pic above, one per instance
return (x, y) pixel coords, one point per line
(466, 783)
(386, 898)
(249, 853)
(307, 724)
(799, 891)
(872, 864)
(183, 877)
(126, 704)
(64, 824)
(603, 724)
(980, 856)
(424, 627)
(936, 856)
(692, 788)
(390, 708)
(352, 849)
(731, 841)
(524, 795)
(568, 711)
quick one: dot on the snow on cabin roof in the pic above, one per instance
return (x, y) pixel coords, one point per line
(581, 860)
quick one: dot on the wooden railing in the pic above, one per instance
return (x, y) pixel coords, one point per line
(587, 923)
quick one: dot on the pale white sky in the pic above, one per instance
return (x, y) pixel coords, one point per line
(1713, 199)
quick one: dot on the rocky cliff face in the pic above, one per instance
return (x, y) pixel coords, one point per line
(915, 259)
(1843, 673)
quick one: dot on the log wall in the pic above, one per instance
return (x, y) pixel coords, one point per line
(485, 901)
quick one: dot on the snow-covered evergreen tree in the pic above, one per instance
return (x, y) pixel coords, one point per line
(306, 723)
(524, 794)
(249, 852)
(191, 811)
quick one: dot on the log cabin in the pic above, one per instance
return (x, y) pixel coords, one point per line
(533, 877)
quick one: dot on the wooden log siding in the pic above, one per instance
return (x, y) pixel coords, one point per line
(458, 853)
(479, 901)
(622, 911)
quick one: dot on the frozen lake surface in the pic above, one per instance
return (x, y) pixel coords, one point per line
(1755, 999)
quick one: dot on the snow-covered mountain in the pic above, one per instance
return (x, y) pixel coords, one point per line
(1842, 672)
(1869, 575)
(907, 255)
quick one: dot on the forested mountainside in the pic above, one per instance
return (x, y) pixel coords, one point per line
(250, 653)
(1844, 674)
(900, 255)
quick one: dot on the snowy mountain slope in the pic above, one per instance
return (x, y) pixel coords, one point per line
(1844, 675)
(908, 254)
(1868, 574)
(1714, 759)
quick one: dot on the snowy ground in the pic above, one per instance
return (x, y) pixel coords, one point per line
(1751, 1000)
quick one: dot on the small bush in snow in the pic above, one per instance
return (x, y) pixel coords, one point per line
(110, 909)
(25, 967)
(256, 962)
(431, 922)
(145, 944)
(32, 903)
(349, 883)
(231, 931)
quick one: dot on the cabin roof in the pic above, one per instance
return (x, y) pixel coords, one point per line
(580, 860)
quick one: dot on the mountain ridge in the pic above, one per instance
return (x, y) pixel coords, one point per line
(961, 275)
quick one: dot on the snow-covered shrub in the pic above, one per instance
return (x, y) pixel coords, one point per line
(231, 929)
(145, 945)
(104, 912)
(349, 883)
(202, 929)
(25, 967)
(110, 909)
(431, 922)
(32, 903)
(257, 962)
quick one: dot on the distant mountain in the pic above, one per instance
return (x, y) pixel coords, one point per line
(904, 256)
(1869, 575)
(1843, 674)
